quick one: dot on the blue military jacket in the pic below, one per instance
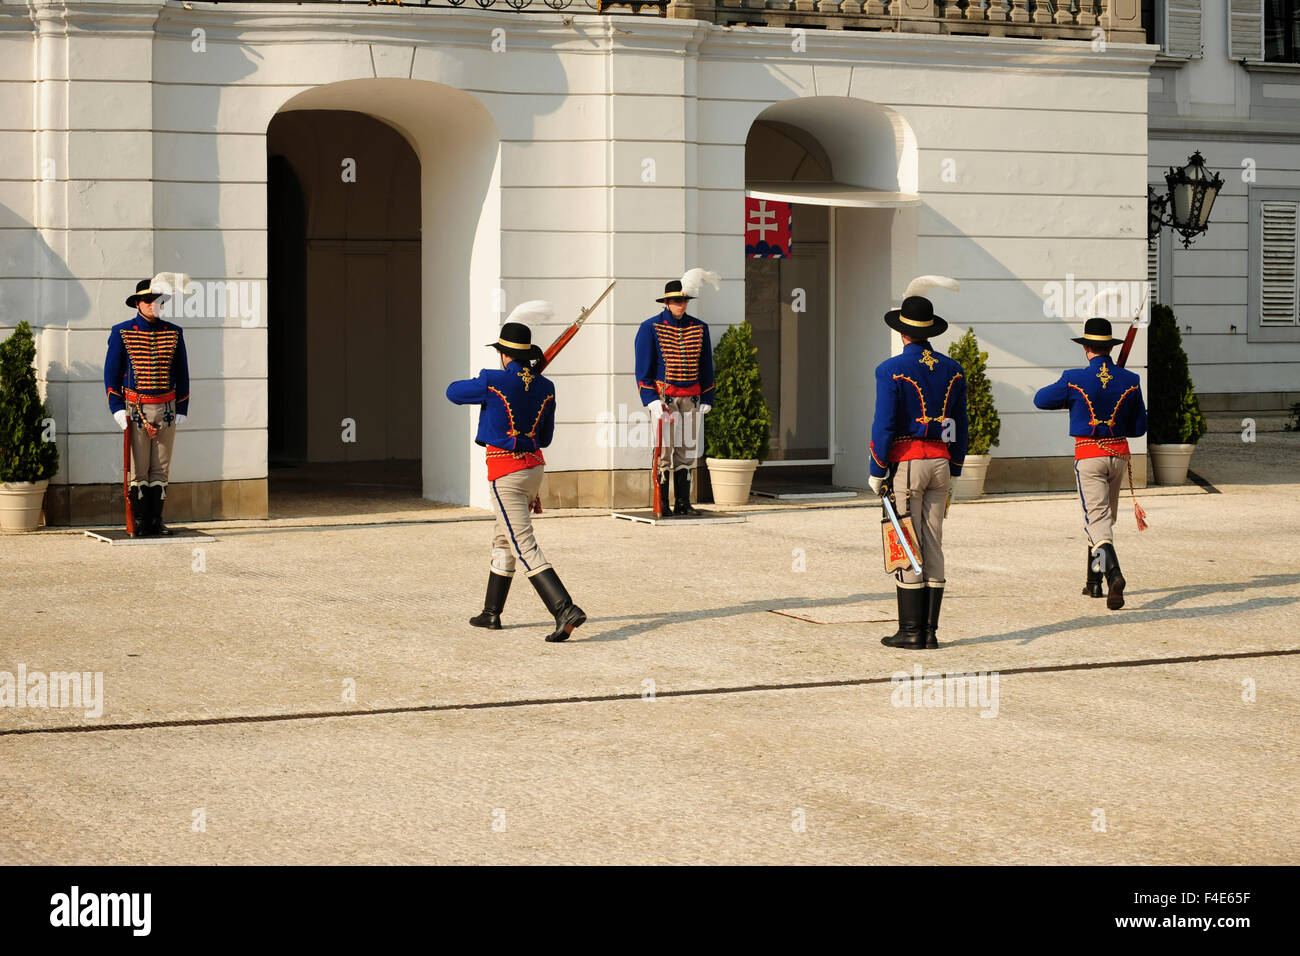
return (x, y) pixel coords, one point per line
(915, 392)
(1105, 401)
(674, 355)
(146, 362)
(518, 407)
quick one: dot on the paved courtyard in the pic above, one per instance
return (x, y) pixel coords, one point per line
(728, 700)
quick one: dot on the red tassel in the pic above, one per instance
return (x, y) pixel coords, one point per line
(1140, 515)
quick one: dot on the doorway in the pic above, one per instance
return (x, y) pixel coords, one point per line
(344, 317)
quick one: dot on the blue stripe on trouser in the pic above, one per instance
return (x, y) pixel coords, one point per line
(1078, 481)
(506, 518)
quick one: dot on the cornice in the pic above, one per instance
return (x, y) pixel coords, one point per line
(64, 18)
(575, 33)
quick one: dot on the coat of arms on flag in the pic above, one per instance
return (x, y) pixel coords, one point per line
(768, 229)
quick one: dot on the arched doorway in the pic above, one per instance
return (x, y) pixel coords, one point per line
(847, 170)
(343, 349)
(787, 300)
(385, 259)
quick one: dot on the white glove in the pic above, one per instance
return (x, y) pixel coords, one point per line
(656, 408)
(180, 418)
(705, 409)
(119, 416)
(875, 484)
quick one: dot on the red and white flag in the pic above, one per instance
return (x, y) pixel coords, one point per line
(768, 229)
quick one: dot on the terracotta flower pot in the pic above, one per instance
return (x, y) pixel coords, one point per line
(731, 479)
(20, 504)
(1169, 462)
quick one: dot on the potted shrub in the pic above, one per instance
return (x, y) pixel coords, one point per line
(985, 425)
(738, 430)
(27, 461)
(1174, 420)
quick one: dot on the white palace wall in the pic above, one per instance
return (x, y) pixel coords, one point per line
(127, 152)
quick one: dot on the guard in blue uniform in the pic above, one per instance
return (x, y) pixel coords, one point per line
(516, 422)
(147, 379)
(674, 372)
(918, 442)
(1106, 410)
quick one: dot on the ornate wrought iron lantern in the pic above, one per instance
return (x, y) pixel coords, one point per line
(1186, 208)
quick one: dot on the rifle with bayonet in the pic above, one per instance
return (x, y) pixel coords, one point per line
(560, 342)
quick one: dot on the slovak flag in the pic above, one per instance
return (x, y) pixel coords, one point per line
(768, 229)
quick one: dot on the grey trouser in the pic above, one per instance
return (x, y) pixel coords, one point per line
(1099, 482)
(683, 429)
(921, 487)
(151, 458)
(512, 536)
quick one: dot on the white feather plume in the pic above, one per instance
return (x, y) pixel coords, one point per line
(1099, 302)
(171, 283)
(920, 284)
(693, 281)
(534, 311)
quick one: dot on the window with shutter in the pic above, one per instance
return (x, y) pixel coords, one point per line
(1153, 267)
(1278, 285)
(1183, 27)
(1246, 29)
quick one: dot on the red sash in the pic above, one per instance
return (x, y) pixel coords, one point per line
(908, 449)
(501, 462)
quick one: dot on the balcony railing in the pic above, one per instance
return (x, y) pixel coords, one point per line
(1119, 21)
(1115, 21)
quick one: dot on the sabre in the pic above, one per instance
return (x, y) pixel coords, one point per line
(572, 330)
(898, 530)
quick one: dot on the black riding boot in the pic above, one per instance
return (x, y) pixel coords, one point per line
(567, 614)
(682, 481)
(156, 497)
(933, 601)
(497, 589)
(1115, 582)
(1092, 586)
(665, 505)
(911, 620)
(141, 507)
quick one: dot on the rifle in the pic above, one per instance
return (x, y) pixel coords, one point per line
(572, 330)
(126, 476)
(560, 343)
(658, 463)
(1132, 334)
(1127, 347)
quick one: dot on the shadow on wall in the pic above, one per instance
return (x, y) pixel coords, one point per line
(1005, 306)
(37, 286)
(201, 230)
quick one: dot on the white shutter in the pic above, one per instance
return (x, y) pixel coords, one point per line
(1153, 267)
(1277, 300)
(1245, 29)
(1183, 27)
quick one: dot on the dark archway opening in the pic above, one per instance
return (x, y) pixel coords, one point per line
(344, 316)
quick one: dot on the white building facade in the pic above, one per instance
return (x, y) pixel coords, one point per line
(1227, 83)
(371, 190)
